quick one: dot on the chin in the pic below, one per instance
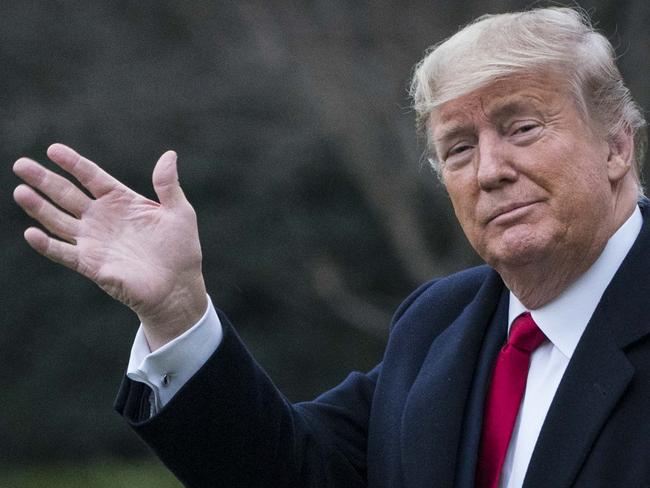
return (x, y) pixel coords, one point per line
(516, 249)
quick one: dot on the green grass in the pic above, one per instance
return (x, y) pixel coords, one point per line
(96, 475)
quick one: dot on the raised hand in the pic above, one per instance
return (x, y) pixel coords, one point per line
(145, 254)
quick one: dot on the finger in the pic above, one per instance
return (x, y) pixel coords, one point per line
(58, 251)
(52, 218)
(61, 191)
(96, 180)
(165, 180)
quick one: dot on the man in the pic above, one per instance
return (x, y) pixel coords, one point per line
(539, 145)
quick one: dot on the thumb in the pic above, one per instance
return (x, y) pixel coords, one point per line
(165, 180)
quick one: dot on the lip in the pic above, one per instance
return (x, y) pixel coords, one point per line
(511, 210)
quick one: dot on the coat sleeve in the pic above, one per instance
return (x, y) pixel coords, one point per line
(230, 426)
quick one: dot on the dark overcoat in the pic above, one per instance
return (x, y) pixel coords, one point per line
(414, 421)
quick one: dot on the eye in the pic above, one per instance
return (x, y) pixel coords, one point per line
(525, 128)
(524, 131)
(458, 155)
(458, 149)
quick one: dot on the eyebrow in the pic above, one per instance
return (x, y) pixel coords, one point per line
(510, 108)
(504, 110)
(452, 131)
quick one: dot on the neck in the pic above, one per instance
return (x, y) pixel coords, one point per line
(535, 285)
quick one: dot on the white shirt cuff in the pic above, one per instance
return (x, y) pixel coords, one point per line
(167, 369)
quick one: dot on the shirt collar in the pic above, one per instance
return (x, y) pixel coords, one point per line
(577, 303)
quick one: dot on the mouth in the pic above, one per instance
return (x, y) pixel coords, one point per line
(510, 211)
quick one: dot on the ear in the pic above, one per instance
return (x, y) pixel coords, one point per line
(621, 154)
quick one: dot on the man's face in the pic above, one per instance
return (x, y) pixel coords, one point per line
(527, 177)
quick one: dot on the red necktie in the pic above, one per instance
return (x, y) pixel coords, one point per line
(504, 397)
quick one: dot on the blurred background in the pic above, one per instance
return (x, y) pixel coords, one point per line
(297, 148)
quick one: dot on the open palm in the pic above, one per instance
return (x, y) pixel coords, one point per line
(145, 254)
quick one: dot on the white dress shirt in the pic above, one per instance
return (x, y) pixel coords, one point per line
(562, 320)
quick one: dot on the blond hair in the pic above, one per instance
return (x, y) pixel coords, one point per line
(496, 46)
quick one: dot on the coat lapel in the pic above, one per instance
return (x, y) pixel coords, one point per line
(598, 374)
(596, 378)
(433, 414)
(470, 439)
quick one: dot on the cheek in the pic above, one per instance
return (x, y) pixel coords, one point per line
(462, 191)
(575, 165)
(466, 216)
(580, 186)
(464, 208)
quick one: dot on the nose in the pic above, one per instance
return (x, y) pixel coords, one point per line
(495, 166)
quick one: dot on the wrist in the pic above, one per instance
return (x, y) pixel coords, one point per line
(179, 314)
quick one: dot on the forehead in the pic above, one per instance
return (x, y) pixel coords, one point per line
(507, 97)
